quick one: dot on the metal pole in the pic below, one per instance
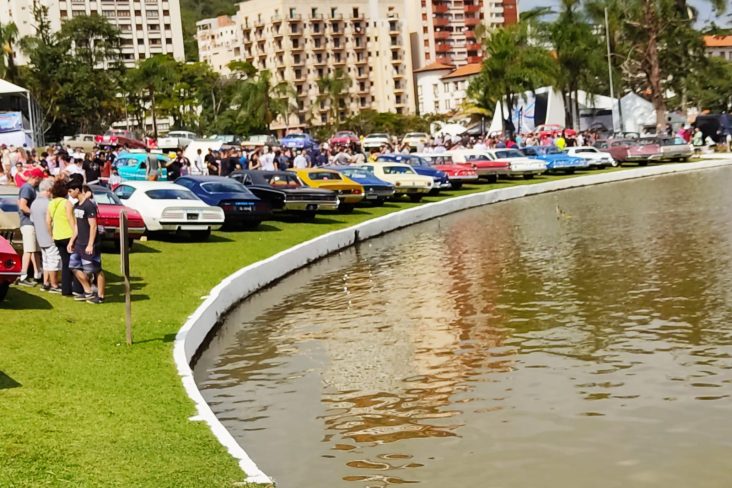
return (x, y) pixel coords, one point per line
(610, 68)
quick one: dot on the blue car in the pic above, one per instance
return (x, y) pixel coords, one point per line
(422, 167)
(133, 166)
(377, 191)
(240, 205)
(298, 141)
(555, 159)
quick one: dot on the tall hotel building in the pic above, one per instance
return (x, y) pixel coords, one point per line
(148, 27)
(447, 32)
(302, 42)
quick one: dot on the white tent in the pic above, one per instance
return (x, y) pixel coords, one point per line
(441, 129)
(30, 109)
(525, 116)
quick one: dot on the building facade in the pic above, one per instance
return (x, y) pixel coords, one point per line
(442, 89)
(447, 28)
(719, 46)
(300, 44)
(147, 27)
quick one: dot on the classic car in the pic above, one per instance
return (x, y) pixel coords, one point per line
(376, 140)
(555, 159)
(286, 193)
(422, 167)
(240, 206)
(344, 138)
(644, 150)
(415, 139)
(84, 142)
(405, 179)
(481, 165)
(349, 192)
(110, 206)
(229, 139)
(675, 149)
(176, 139)
(298, 141)
(168, 207)
(119, 138)
(132, 165)
(9, 218)
(259, 140)
(553, 130)
(10, 265)
(592, 155)
(519, 164)
(376, 191)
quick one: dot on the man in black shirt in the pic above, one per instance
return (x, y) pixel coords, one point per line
(86, 259)
(229, 164)
(174, 167)
(210, 160)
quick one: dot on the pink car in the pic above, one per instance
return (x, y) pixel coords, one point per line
(344, 138)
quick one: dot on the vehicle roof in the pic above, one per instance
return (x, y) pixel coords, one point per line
(393, 163)
(153, 185)
(204, 178)
(139, 154)
(100, 189)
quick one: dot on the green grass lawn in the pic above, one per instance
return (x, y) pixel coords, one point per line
(80, 408)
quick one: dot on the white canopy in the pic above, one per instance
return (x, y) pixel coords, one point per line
(7, 88)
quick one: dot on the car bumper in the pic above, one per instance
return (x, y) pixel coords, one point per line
(376, 194)
(350, 199)
(442, 185)
(310, 205)
(411, 190)
(492, 171)
(528, 171)
(173, 226)
(643, 157)
(112, 233)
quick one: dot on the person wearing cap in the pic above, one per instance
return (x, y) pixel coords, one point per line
(26, 196)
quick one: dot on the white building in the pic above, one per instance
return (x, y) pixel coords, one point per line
(148, 27)
(442, 89)
(719, 46)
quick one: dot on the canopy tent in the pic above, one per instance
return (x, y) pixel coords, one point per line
(14, 98)
(442, 129)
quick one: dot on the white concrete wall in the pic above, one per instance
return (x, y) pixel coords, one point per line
(248, 280)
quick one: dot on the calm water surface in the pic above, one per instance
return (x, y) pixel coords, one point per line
(576, 339)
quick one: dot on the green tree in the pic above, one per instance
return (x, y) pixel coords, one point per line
(709, 87)
(514, 64)
(260, 100)
(333, 91)
(153, 80)
(8, 38)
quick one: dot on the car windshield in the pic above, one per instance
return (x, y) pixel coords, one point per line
(295, 136)
(258, 139)
(344, 134)
(178, 134)
(106, 198)
(551, 150)
(355, 173)
(511, 153)
(115, 133)
(398, 170)
(648, 141)
(379, 135)
(442, 159)
(476, 157)
(586, 150)
(529, 151)
(416, 134)
(170, 194)
(282, 180)
(323, 176)
(223, 187)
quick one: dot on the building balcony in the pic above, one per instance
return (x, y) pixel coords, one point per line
(294, 18)
(258, 23)
(335, 18)
(319, 62)
(362, 76)
(277, 33)
(472, 21)
(473, 46)
(296, 32)
(395, 47)
(440, 21)
(338, 47)
(470, 34)
(398, 75)
(471, 9)
(441, 8)
(276, 19)
(442, 35)
(396, 60)
(339, 62)
(361, 61)
(316, 17)
(359, 47)
(297, 48)
(444, 60)
(475, 59)
(320, 47)
(279, 48)
(298, 62)
(443, 48)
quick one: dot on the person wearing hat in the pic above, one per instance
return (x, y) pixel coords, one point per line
(26, 196)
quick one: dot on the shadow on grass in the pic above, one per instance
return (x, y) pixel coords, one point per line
(115, 292)
(185, 238)
(19, 299)
(165, 339)
(140, 248)
(243, 228)
(6, 382)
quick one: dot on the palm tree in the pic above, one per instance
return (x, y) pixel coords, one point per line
(152, 77)
(333, 90)
(8, 36)
(261, 101)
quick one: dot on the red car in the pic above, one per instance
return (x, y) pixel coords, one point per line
(457, 172)
(344, 138)
(484, 166)
(119, 138)
(553, 130)
(9, 267)
(645, 150)
(110, 206)
(618, 148)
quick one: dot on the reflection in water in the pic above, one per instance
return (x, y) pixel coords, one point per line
(514, 345)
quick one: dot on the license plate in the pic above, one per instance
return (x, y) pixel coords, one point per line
(245, 208)
(371, 197)
(193, 227)
(311, 207)
(191, 216)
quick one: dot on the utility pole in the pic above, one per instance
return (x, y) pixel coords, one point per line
(610, 69)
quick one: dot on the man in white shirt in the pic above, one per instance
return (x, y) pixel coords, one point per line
(301, 161)
(266, 162)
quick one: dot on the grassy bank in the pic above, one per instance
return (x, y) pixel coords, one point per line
(79, 408)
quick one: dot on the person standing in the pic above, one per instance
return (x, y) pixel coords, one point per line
(86, 259)
(30, 245)
(60, 221)
(152, 166)
(92, 168)
(267, 161)
(301, 162)
(198, 163)
(175, 167)
(50, 256)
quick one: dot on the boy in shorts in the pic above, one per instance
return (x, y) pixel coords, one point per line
(86, 258)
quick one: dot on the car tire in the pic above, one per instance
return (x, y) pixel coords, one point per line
(308, 216)
(3, 290)
(379, 202)
(685, 160)
(457, 185)
(434, 192)
(528, 177)
(492, 178)
(252, 224)
(642, 163)
(346, 208)
(200, 235)
(415, 198)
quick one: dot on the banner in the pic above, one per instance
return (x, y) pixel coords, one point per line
(11, 121)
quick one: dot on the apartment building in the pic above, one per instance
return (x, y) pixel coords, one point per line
(303, 43)
(719, 46)
(447, 28)
(442, 89)
(148, 27)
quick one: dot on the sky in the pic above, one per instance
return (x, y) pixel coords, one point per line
(705, 10)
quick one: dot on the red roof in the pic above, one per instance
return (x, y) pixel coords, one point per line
(434, 67)
(718, 41)
(463, 71)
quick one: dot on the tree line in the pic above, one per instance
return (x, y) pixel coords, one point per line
(655, 52)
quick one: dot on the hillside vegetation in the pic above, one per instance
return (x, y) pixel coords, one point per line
(194, 10)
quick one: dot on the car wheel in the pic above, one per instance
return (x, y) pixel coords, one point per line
(434, 192)
(528, 177)
(201, 235)
(346, 207)
(492, 178)
(3, 290)
(642, 163)
(252, 224)
(415, 198)
(457, 185)
(308, 216)
(685, 160)
(379, 202)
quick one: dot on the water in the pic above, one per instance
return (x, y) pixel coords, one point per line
(582, 338)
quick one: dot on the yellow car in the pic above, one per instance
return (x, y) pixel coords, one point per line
(406, 181)
(349, 192)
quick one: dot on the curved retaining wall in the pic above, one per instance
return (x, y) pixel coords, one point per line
(250, 279)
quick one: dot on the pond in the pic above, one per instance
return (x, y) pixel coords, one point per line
(579, 338)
